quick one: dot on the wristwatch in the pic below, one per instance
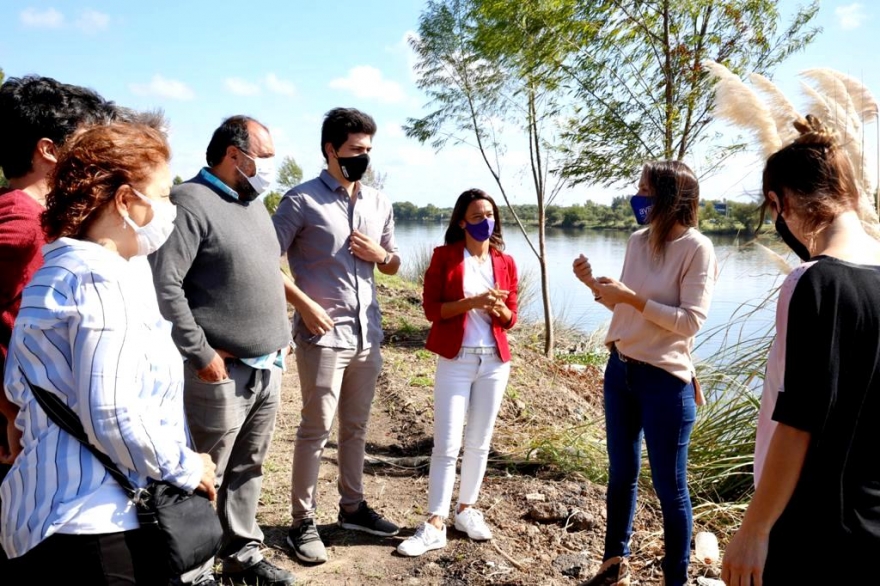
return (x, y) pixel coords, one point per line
(387, 260)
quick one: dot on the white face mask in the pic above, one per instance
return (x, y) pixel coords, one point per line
(265, 172)
(154, 233)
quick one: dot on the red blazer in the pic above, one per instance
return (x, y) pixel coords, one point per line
(444, 282)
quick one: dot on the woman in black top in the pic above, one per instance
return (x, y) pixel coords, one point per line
(815, 515)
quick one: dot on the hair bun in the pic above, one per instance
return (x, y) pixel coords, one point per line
(814, 133)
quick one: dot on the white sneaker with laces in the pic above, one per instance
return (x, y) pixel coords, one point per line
(427, 537)
(471, 521)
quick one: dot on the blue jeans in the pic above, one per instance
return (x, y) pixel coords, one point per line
(641, 398)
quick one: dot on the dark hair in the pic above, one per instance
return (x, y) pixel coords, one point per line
(676, 200)
(155, 119)
(455, 233)
(232, 132)
(813, 175)
(341, 122)
(33, 108)
(94, 164)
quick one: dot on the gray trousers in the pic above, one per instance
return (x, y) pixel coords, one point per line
(332, 379)
(233, 421)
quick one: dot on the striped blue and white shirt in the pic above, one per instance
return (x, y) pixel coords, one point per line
(90, 331)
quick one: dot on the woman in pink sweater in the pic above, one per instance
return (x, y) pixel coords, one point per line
(658, 305)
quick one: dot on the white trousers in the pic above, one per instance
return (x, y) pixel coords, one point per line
(469, 387)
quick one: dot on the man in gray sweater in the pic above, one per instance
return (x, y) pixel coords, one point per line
(219, 284)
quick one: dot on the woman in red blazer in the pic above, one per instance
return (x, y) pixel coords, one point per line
(470, 299)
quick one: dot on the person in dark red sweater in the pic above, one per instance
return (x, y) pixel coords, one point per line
(37, 114)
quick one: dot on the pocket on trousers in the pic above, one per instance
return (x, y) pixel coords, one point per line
(200, 392)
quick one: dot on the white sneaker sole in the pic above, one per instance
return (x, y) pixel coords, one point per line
(352, 527)
(427, 549)
(471, 537)
(306, 559)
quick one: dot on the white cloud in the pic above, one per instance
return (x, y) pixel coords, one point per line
(241, 87)
(91, 21)
(164, 88)
(49, 18)
(850, 17)
(365, 81)
(88, 21)
(404, 48)
(415, 157)
(393, 130)
(280, 86)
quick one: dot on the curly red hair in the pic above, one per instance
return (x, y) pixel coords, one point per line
(92, 166)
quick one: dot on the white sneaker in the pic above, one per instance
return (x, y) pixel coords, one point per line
(427, 537)
(471, 521)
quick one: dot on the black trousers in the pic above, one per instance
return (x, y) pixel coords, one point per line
(109, 559)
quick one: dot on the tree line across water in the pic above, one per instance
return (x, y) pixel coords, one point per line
(716, 217)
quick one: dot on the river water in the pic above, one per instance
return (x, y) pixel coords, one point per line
(748, 275)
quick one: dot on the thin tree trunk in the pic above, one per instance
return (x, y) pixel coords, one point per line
(549, 334)
(667, 74)
(684, 143)
(540, 195)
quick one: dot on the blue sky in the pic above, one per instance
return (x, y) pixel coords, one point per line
(286, 63)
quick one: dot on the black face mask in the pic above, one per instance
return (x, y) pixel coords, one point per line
(793, 243)
(353, 168)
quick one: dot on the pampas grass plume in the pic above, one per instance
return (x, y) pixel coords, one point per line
(783, 111)
(740, 105)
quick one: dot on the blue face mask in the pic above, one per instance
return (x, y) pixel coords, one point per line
(481, 231)
(641, 205)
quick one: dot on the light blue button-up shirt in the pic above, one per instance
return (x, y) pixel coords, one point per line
(314, 222)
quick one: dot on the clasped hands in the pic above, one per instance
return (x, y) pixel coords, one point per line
(605, 290)
(492, 301)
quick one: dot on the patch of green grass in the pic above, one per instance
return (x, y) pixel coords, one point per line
(592, 357)
(405, 327)
(421, 381)
(398, 282)
(424, 355)
(578, 450)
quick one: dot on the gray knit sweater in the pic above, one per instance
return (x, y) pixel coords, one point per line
(218, 278)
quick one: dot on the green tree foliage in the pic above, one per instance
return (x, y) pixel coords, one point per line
(289, 174)
(271, 201)
(737, 217)
(634, 70)
(405, 211)
(177, 180)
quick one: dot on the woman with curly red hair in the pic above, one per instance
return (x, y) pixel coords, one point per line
(90, 332)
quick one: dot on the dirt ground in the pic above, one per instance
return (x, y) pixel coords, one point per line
(543, 395)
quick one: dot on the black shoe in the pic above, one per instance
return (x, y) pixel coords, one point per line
(261, 573)
(306, 543)
(367, 520)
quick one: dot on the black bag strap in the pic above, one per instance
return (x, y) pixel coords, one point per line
(64, 417)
